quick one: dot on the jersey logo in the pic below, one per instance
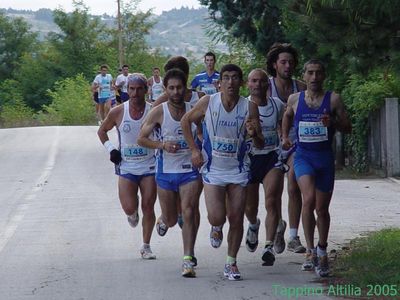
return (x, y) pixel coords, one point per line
(126, 128)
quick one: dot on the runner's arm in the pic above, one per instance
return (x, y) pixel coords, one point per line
(253, 126)
(341, 119)
(152, 120)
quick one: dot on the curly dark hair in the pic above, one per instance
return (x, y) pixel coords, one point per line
(178, 62)
(273, 54)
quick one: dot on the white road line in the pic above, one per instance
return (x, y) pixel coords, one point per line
(22, 208)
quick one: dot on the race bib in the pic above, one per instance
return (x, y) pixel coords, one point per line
(134, 153)
(312, 132)
(224, 147)
(270, 142)
(105, 91)
(180, 140)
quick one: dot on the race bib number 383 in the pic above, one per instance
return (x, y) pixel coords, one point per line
(311, 132)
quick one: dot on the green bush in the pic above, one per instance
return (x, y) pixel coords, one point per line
(16, 114)
(71, 105)
(13, 110)
(362, 96)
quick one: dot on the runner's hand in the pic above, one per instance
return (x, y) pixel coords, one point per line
(251, 127)
(115, 156)
(286, 143)
(197, 159)
(171, 147)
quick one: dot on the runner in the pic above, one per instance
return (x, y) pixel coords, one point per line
(175, 177)
(182, 64)
(282, 60)
(103, 82)
(134, 164)
(265, 167)
(226, 118)
(156, 85)
(316, 115)
(122, 84)
(207, 81)
(190, 96)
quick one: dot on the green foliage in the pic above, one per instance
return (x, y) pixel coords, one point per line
(371, 260)
(71, 105)
(362, 96)
(15, 40)
(13, 110)
(81, 43)
(255, 22)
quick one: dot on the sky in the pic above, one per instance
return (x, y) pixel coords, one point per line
(98, 7)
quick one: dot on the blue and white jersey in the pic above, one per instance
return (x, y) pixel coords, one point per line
(275, 94)
(171, 131)
(311, 133)
(104, 83)
(270, 116)
(136, 159)
(224, 144)
(205, 82)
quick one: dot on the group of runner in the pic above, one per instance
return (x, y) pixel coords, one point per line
(209, 137)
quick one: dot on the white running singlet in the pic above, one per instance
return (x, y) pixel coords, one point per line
(171, 131)
(270, 115)
(275, 94)
(156, 89)
(224, 145)
(136, 159)
(121, 78)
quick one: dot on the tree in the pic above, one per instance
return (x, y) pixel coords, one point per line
(257, 22)
(82, 43)
(15, 40)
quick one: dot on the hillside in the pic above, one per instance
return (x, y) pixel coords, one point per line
(178, 31)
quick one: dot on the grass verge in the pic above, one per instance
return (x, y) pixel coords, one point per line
(371, 260)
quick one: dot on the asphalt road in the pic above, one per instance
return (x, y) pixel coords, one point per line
(63, 234)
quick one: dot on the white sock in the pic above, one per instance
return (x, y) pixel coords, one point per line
(321, 252)
(255, 226)
(145, 246)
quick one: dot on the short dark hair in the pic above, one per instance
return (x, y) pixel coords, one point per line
(210, 54)
(125, 66)
(103, 67)
(177, 62)
(231, 68)
(314, 61)
(156, 68)
(273, 54)
(175, 73)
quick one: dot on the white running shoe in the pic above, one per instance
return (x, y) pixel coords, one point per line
(147, 253)
(133, 219)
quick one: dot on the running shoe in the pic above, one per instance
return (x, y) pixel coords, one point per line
(194, 261)
(322, 268)
(311, 262)
(252, 237)
(294, 245)
(161, 227)
(147, 253)
(133, 219)
(216, 236)
(187, 269)
(231, 272)
(268, 255)
(279, 242)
